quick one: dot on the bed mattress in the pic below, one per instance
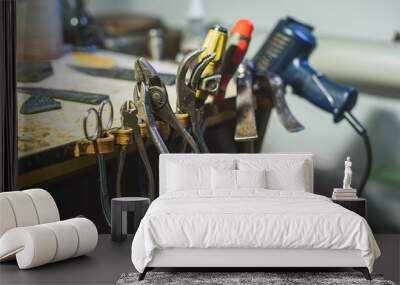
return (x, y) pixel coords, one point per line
(250, 219)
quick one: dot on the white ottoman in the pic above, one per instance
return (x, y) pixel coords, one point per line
(31, 230)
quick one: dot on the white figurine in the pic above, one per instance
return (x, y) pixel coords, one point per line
(347, 174)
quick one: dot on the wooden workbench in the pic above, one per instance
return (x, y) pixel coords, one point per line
(44, 131)
(46, 140)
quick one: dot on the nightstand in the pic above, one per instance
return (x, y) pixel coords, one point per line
(358, 206)
(119, 208)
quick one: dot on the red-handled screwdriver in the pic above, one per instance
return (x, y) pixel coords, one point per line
(239, 40)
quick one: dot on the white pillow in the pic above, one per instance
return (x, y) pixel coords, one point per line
(292, 179)
(182, 177)
(251, 178)
(223, 179)
(282, 174)
(228, 179)
(187, 175)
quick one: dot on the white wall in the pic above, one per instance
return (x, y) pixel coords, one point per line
(373, 19)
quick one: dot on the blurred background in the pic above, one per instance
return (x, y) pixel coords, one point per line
(358, 45)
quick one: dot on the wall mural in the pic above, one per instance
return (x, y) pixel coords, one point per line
(69, 61)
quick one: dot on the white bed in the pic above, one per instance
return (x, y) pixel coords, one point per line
(248, 227)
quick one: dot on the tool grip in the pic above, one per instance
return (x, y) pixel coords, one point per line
(239, 41)
(332, 97)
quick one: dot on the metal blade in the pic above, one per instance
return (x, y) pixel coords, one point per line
(68, 95)
(286, 117)
(38, 104)
(246, 128)
(120, 73)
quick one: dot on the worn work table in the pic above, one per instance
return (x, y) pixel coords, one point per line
(46, 140)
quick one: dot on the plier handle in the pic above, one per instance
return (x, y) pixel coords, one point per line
(188, 82)
(130, 120)
(151, 101)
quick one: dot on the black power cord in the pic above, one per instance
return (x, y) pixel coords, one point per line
(360, 129)
(104, 199)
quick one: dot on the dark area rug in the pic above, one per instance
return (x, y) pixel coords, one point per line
(233, 278)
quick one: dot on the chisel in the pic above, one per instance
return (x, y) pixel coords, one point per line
(246, 127)
(120, 73)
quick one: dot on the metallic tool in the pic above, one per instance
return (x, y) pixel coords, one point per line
(68, 95)
(238, 42)
(246, 128)
(284, 114)
(120, 73)
(214, 43)
(186, 92)
(130, 120)
(101, 126)
(123, 138)
(39, 104)
(285, 54)
(248, 83)
(204, 80)
(151, 101)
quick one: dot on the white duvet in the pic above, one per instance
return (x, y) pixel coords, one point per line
(253, 218)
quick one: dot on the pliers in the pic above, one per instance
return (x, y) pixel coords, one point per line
(186, 91)
(150, 98)
(130, 120)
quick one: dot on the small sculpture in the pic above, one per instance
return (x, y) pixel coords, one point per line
(347, 174)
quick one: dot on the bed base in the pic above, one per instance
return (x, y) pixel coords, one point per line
(363, 270)
(245, 259)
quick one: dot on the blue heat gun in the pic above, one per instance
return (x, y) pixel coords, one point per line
(285, 53)
(283, 57)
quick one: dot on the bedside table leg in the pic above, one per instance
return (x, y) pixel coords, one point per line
(364, 271)
(118, 222)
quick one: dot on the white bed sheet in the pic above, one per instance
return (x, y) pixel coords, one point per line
(251, 218)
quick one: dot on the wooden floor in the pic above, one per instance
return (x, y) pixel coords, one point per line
(106, 264)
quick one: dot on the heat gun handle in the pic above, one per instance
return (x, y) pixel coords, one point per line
(332, 97)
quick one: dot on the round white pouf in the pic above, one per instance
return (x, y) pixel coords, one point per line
(23, 208)
(32, 246)
(67, 240)
(45, 205)
(40, 244)
(7, 218)
(88, 235)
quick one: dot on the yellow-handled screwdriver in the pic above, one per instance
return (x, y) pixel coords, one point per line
(214, 43)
